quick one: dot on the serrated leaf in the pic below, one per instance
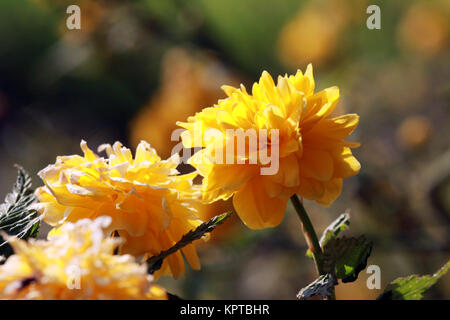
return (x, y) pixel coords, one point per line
(16, 216)
(346, 257)
(412, 287)
(154, 263)
(333, 230)
(322, 286)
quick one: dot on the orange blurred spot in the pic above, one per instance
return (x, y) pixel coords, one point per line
(424, 29)
(190, 82)
(414, 131)
(313, 35)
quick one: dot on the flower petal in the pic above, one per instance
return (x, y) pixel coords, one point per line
(317, 164)
(345, 164)
(333, 189)
(256, 209)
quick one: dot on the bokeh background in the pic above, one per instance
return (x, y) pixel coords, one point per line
(137, 67)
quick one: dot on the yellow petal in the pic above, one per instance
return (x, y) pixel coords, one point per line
(334, 129)
(333, 189)
(316, 164)
(304, 82)
(345, 164)
(311, 189)
(191, 256)
(319, 106)
(227, 177)
(88, 154)
(288, 172)
(256, 209)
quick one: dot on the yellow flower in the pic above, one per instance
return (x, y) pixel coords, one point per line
(313, 156)
(149, 203)
(77, 263)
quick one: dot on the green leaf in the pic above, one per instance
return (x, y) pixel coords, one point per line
(322, 286)
(16, 216)
(154, 263)
(333, 230)
(412, 287)
(346, 257)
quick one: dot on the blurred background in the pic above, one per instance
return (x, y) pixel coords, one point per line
(137, 67)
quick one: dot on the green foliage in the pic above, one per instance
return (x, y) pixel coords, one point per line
(412, 287)
(322, 286)
(242, 31)
(346, 257)
(342, 258)
(155, 262)
(16, 216)
(333, 230)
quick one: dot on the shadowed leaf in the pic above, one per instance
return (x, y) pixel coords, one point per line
(333, 230)
(154, 263)
(322, 286)
(346, 257)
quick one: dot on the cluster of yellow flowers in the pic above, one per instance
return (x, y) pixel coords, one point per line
(77, 262)
(148, 201)
(151, 206)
